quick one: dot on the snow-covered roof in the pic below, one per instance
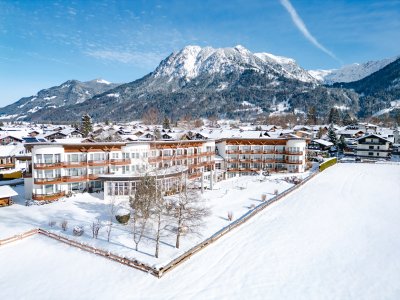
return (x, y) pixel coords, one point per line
(6, 191)
(11, 150)
(323, 142)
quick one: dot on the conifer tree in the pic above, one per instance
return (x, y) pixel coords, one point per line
(332, 135)
(312, 116)
(334, 116)
(86, 125)
(166, 123)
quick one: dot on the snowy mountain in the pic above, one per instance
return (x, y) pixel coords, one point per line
(199, 82)
(194, 61)
(351, 72)
(379, 92)
(68, 93)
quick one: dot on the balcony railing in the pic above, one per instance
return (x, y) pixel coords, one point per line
(93, 176)
(74, 164)
(98, 162)
(48, 165)
(48, 197)
(294, 162)
(74, 178)
(53, 180)
(7, 165)
(120, 161)
(294, 152)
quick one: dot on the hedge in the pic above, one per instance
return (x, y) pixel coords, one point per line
(327, 164)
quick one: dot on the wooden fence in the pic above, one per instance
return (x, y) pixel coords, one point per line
(175, 262)
(18, 237)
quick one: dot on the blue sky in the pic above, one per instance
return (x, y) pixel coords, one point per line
(44, 43)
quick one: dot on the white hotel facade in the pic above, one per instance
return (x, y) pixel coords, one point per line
(58, 169)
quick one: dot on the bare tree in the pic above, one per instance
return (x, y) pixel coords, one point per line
(151, 116)
(141, 204)
(110, 216)
(189, 209)
(96, 225)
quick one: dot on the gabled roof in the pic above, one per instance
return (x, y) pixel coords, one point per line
(373, 135)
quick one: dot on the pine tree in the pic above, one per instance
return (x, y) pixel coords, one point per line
(334, 116)
(312, 116)
(347, 119)
(86, 125)
(166, 123)
(342, 143)
(332, 135)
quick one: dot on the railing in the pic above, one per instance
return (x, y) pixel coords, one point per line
(48, 197)
(53, 180)
(7, 165)
(93, 176)
(120, 161)
(255, 152)
(294, 162)
(294, 153)
(74, 178)
(98, 162)
(74, 164)
(194, 175)
(51, 165)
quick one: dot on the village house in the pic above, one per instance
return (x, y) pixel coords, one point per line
(373, 146)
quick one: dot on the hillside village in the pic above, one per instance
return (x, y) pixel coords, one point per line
(226, 148)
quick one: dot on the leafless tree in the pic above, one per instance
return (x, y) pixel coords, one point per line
(141, 204)
(64, 225)
(110, 210)
(189, 210)
(151, 116)
(96, 225)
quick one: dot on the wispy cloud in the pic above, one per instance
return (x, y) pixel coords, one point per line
(146, 59)
(303, 29)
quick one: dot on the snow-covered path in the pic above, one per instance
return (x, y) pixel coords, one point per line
(337, 237)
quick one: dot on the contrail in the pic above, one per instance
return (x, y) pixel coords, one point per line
(302, 27)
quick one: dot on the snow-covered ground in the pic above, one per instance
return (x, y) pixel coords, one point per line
(236, 195)
(337, 237)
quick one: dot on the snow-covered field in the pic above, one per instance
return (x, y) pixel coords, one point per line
(236, 195)
(337, 237)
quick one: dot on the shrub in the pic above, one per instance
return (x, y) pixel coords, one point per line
(327, 164)
(64, 225)
(123, 216)
(78, 230)
(52, 223)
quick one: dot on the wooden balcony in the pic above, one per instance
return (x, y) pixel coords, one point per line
(294, 153)
(48, 197)
(120, 161)
(74, 178)
(7, 165)
(53, 180)
(48, 166)
(210, 153)
(194, 175)
(93, 176)
(243, 170)
(71, 164)
(98, 163)
(294, 162)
